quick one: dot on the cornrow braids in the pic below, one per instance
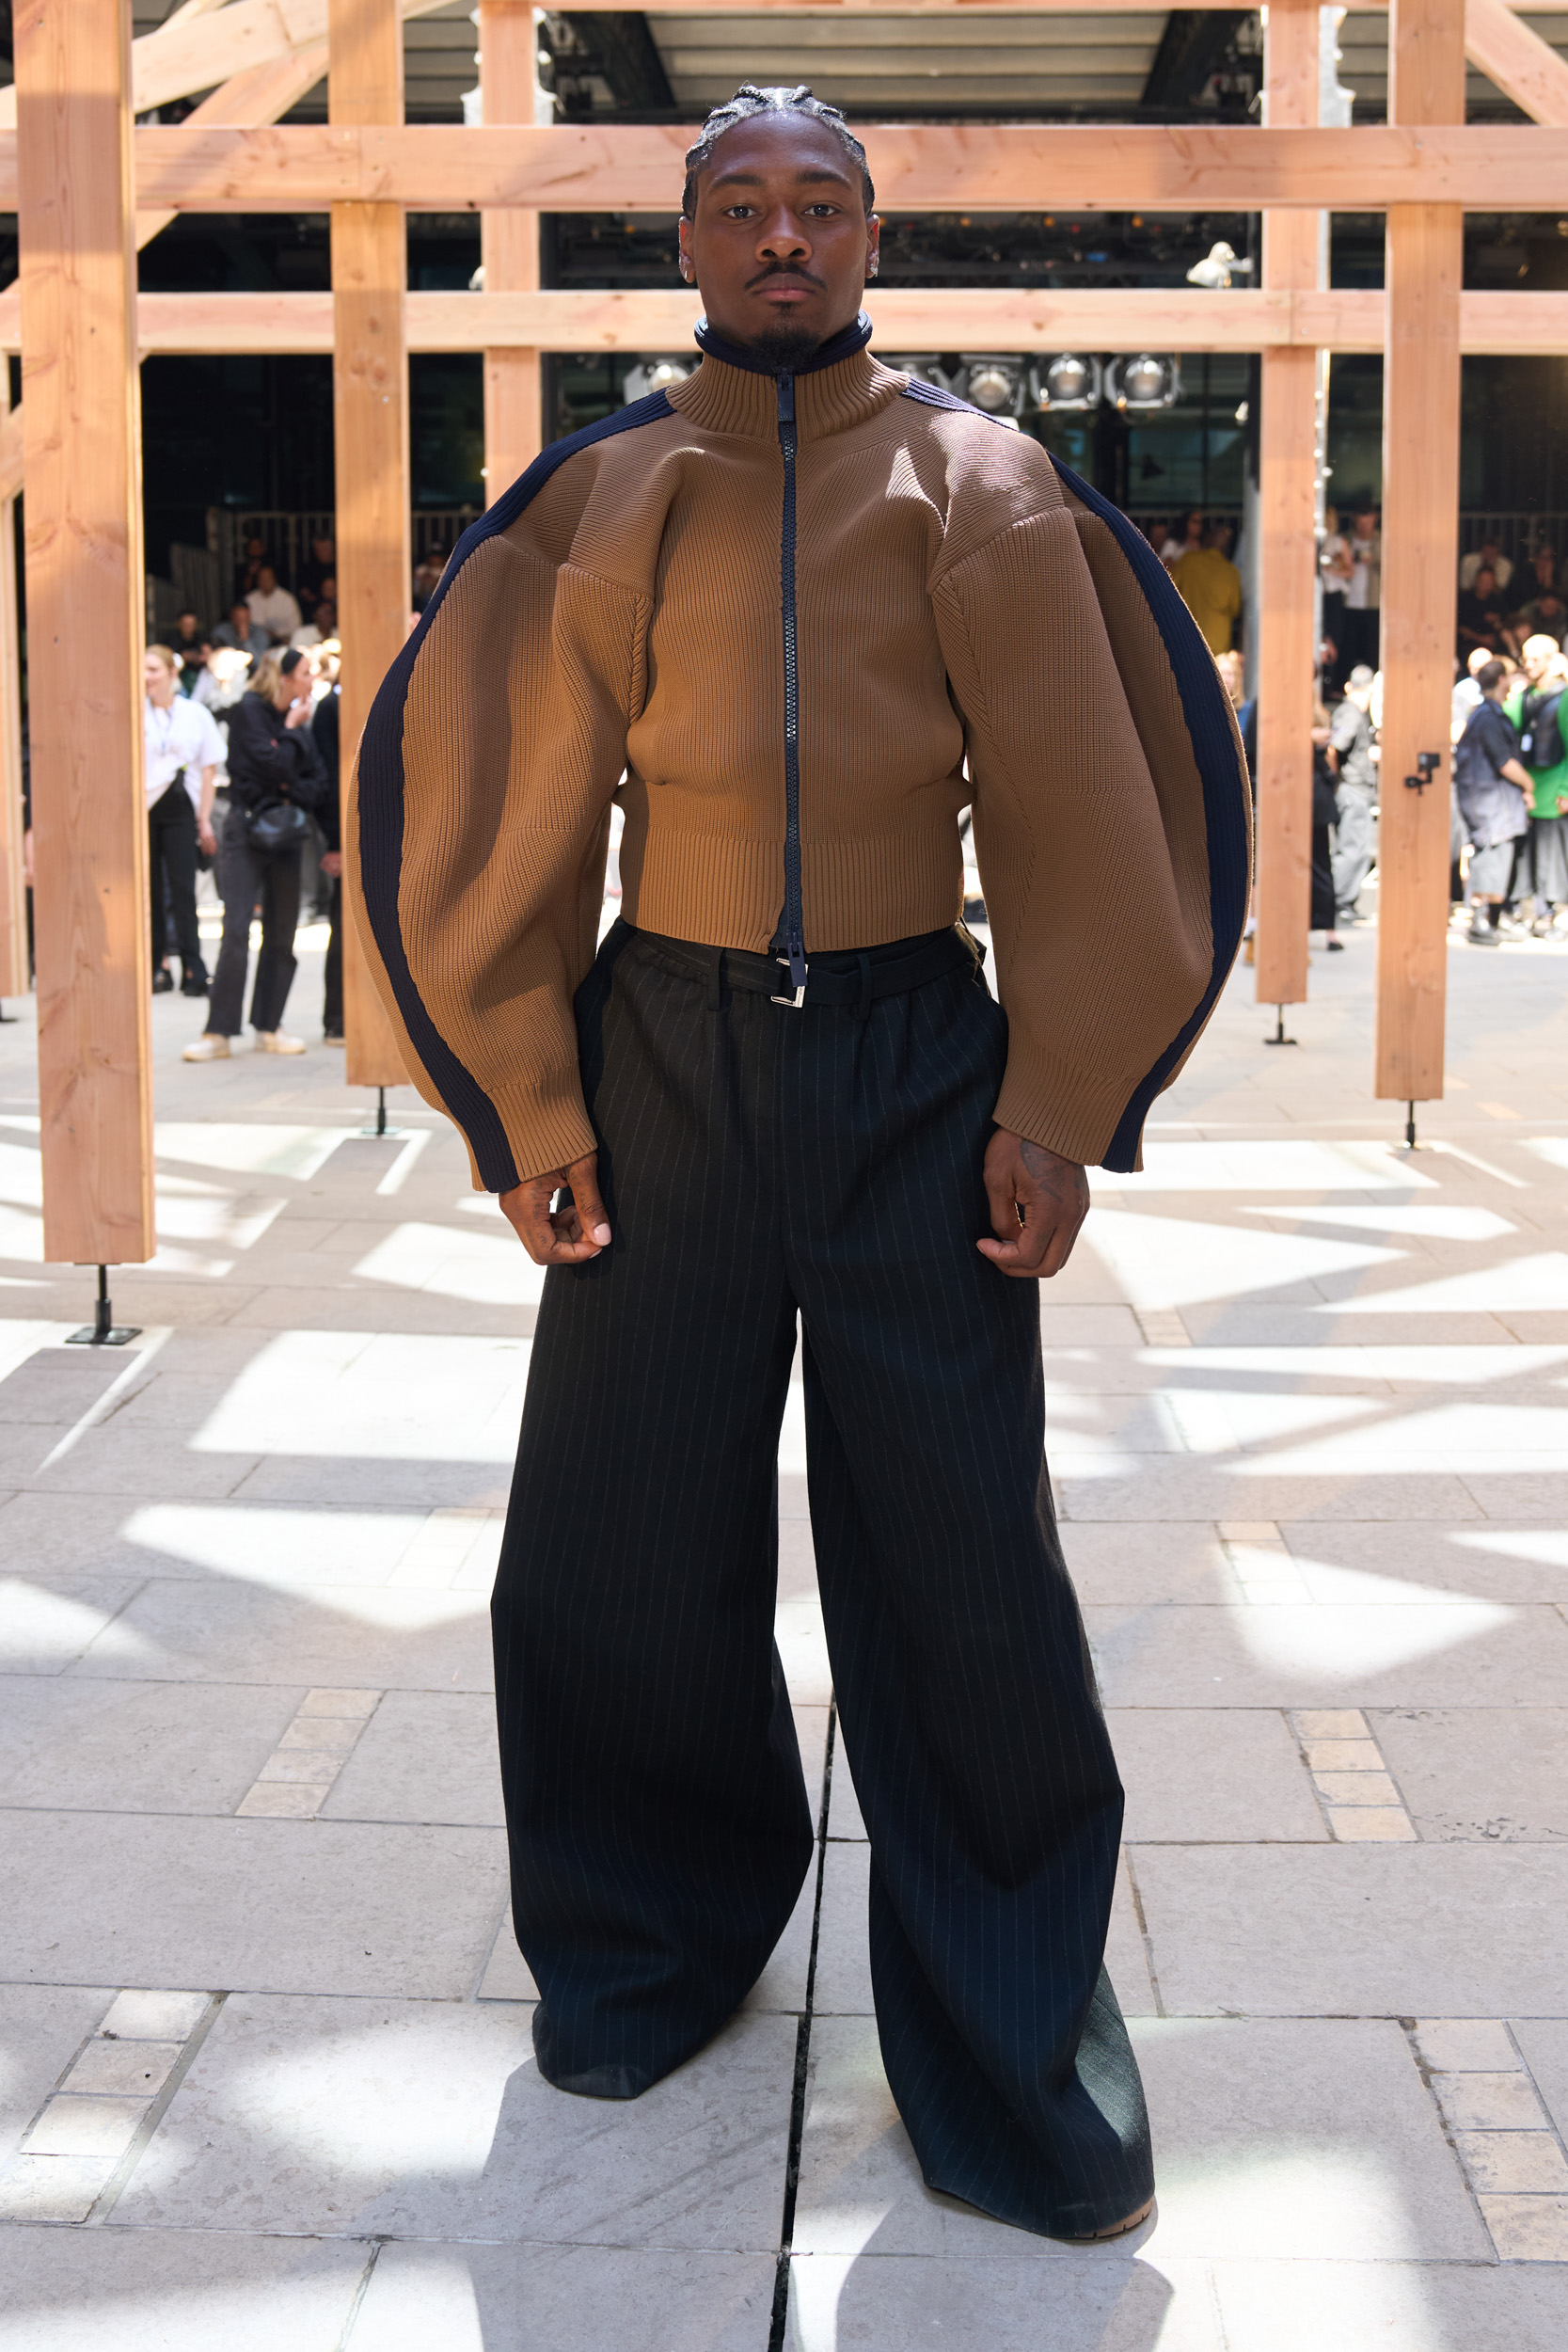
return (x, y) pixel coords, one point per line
(750, 100)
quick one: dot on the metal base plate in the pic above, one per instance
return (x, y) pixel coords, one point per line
(116, 1336)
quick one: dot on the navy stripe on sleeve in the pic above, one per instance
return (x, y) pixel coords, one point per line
(381, 809)
(1206, 707)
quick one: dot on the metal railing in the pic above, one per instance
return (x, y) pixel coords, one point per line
(287, 536)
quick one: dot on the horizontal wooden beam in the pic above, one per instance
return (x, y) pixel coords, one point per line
(909, 320)
(1003, 167)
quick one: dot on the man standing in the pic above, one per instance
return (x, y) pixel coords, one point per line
(773, 612)
(272, 608)
(1351, 736)
(1363, 592)
(184, 754)
(1210, 587)
(1495, 790)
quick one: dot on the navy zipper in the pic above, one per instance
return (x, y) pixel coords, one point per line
(793, 924)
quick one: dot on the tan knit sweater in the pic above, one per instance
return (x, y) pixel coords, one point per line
(612, 632)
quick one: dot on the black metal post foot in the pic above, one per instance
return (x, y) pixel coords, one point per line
(103, 1331)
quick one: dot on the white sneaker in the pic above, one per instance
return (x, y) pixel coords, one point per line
(277, 1042)
(207, 1048)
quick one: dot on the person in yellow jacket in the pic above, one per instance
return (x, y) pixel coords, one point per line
(795, 614)
(1211, 588)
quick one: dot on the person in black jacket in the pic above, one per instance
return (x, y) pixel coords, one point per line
(324, 727)
(274, 768)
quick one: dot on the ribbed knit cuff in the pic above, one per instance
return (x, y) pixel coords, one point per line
(544, 1136)
(1074, 1118)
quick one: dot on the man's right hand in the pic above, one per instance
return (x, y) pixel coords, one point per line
(577, 1230)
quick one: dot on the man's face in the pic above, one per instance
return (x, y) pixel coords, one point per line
(1486, 581)
(266, 579)
(780, 245)
(1365, 524)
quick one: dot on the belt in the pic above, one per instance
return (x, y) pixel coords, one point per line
(853, 977)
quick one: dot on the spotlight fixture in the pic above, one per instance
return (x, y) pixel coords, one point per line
(992, 382)
(1218, 266)
(653, 375)
(1068, 382)
(1143, 384)
(924, 366)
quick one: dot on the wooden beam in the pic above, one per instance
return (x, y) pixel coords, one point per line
(260, 94)
(370, 416)
(1516, 60)
(514, 376)
(1287, 545)
(1420, 552)
(15, 977)
(1006, 167)
(84, 556)
(907, 319)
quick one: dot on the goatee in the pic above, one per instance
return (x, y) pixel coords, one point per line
(785, 345)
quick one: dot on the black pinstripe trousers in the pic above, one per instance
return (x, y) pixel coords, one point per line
(759, 1163)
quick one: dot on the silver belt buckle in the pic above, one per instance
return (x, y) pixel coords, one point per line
(798, 998)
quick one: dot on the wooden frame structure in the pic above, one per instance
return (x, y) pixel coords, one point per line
(89, 187)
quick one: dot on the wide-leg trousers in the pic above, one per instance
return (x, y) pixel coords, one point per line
(758, 1164)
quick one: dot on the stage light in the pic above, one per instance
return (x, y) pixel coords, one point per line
(1068, 382)
(1143, 383)
(1217, 268)
(654, 375)
(992, 383)
(924, 366)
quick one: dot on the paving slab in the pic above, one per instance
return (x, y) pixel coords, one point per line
(1498, 1563)
(1282, 1653)
(1278, 2137)
(47, 1623)
(430, 2120)
(1399, 2307)
(1495, 1774)
(1128, 1563)
(41, 2027)
(159, 2291)
(135, 1747)
(425, 1755)
(378, 1637)
(1543, 2041)
(1436, 1931)
(1101, 2302)
(316, 1906)
(1213, 1774)
(563, 2298)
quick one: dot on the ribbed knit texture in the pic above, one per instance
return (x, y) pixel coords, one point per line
(951, 602)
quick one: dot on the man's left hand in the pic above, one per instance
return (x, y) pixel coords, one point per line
(1037, 1202)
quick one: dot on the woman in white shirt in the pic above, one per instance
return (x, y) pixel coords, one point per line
(183, 755)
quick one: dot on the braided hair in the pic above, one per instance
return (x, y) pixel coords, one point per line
(749, 100)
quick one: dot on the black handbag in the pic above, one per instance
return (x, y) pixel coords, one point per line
(274, 827)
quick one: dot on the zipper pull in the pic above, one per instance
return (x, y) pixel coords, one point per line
(787, 399)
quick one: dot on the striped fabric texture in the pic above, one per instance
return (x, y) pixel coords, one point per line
(761, 1164)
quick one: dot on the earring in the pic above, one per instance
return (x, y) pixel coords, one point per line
(872, 271)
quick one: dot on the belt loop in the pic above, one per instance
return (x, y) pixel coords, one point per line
(716, 982)
(864, 962)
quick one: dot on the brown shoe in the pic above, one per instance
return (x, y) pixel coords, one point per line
(1117, 2229)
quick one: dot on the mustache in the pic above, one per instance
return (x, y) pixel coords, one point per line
(784, 269)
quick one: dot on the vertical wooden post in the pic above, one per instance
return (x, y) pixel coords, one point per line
(369, 409)
(85, 614)
(1420, 557)
(13, 889)
(514, 379)
(1286, 564)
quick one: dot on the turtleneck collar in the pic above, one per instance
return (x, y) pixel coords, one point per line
(734, 391)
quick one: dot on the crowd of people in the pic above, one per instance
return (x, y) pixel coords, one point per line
(241, 730)
(1508, 802)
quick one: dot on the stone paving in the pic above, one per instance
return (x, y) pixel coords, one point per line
(266, 2074)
